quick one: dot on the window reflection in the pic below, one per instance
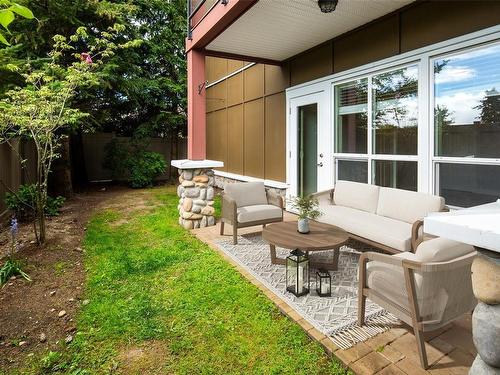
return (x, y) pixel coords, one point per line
(395, 174)
(395, 112)
(352, 170)
(467, 104)
(352, 120)
(467, 185)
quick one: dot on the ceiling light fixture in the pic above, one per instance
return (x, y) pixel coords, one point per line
(327, 6)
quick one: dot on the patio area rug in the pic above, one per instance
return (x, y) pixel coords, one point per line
(334, 316)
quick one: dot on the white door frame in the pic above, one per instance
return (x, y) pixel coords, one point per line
(314, 94)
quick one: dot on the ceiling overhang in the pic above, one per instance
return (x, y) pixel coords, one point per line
(276, 30)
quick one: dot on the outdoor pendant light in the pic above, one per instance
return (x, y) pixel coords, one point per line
(327, 6)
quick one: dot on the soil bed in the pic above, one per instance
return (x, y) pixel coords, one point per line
(29, 311)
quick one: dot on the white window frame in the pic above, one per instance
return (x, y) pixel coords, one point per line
(423, 57)
(436, 160)
(370, 156)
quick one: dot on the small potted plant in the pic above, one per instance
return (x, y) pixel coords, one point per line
(307, 208)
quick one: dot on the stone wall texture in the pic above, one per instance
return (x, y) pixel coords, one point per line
(220, 182)
(196, 198)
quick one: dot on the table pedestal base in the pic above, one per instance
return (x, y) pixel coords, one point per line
(486, 316)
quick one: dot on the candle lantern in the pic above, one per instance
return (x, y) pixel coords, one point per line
(297, 273)
(323, 283)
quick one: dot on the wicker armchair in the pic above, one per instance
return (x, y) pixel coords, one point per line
(248, 204)
(427, 289)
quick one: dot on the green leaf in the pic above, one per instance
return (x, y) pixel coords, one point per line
(3, 40)
(6, 17)
(22, 11)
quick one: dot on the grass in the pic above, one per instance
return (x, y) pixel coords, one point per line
(161, 301)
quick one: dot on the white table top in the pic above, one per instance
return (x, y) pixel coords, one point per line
(478, 226)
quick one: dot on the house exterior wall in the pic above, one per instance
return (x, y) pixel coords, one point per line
(246, 119)
(246, 122)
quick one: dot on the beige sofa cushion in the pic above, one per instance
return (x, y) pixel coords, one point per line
(356, 195)
(247, 193)
(384, 230)
(258, 212)
(405, 205)
(441, 250)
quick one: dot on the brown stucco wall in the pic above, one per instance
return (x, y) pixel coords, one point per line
(246, 113)
(246, 118)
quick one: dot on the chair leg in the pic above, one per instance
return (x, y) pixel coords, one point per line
(361, 307)
(222, 228)
(235, 234)
(419, 336)
(263, 226)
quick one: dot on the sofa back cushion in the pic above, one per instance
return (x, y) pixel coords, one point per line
(356, 195)
(247, 193)
(407, 205)
(441, 250)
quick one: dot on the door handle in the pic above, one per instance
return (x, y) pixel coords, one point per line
(320, 164)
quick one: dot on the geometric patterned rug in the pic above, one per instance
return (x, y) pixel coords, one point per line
(334, 316)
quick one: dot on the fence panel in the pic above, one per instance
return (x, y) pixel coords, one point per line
(94, 150)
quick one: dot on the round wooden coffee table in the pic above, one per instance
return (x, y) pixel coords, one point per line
(321, 237)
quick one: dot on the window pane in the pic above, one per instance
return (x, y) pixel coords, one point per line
(396, 174)
(467, 104)
(465, 185)
(395, 112)
(352, 170)
(352, 121)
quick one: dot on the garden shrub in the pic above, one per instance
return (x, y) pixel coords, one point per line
(132, 161)
(23, 203)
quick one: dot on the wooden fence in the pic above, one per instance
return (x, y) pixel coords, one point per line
(94, 149)
(12, 175)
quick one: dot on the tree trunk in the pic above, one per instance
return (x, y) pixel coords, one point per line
(42, 227)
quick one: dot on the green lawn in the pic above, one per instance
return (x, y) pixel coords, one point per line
(161, 301)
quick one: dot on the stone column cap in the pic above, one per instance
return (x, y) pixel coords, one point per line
(196, 164)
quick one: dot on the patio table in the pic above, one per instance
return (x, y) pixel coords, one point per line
(320, 238)
(480, 227)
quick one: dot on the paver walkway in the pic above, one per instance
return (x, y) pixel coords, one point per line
(450, 350)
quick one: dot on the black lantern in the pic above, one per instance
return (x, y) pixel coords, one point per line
(327, 6)
(297, 273)
(323, 283)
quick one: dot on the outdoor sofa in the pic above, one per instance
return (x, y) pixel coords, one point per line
(247, 204)
(386, 218)
(426, 289)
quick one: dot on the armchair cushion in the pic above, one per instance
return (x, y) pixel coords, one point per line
(258, 212)
(389, 281)
(247, 193)
(441, 250)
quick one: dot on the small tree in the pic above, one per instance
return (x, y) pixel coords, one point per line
(42, 109)
(8, 12)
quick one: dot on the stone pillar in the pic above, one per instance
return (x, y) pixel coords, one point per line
(486, 316)
(196, 192)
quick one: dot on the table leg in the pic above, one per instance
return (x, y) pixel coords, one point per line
(274, 258)
(330, 266)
